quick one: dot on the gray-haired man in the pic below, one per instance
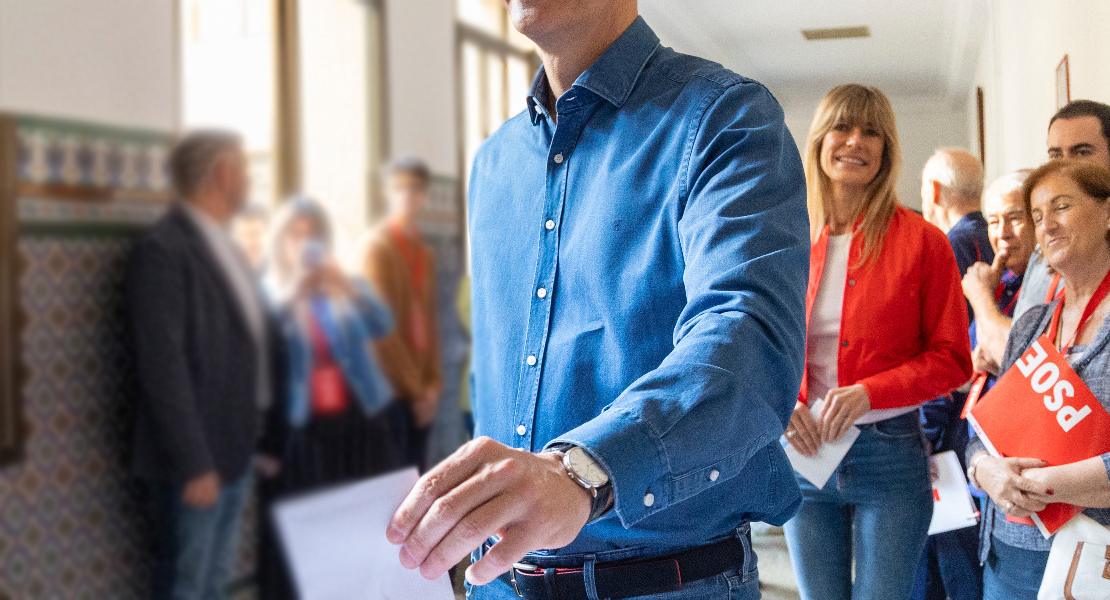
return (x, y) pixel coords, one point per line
(205, 353)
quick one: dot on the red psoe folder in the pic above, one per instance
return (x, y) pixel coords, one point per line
(1040, 408)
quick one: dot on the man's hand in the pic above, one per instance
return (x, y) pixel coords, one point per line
(484, 489)
(802, 433)
(982, 279)
(202, 491)
(267, 466)
(425, 407)
(843, 405)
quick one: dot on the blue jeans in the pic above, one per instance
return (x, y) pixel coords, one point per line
(741, 583)
(1013, 573)
(875, 508)
(196, 549)
(949, 567)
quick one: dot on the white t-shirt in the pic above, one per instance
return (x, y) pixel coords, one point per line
(823, 337)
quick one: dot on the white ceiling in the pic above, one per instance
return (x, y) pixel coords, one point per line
(917, 49)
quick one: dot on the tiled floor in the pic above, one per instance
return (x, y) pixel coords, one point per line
(776, 577)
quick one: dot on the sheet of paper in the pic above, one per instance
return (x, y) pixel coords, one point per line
(818, 469)
(953, 506)
(336, 547)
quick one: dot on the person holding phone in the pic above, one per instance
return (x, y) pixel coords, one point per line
(337, 395)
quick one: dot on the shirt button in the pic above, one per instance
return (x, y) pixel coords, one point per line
(714, 474)
(531, 361)
(844, 343)
(558, 159)
(851, 282)
(521, 430)
(649, 499)
(542, 292)
(549, 224)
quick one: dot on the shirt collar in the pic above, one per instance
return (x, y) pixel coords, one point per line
(206, 223)
(613, 74)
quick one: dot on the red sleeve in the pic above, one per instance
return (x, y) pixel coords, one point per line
(945, 362)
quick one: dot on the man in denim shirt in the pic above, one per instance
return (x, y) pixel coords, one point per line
(640, 249)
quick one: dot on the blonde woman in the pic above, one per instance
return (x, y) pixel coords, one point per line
(887, 330)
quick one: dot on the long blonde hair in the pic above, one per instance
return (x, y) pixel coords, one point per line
(861, 105)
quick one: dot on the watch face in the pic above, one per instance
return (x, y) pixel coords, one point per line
(585, 467)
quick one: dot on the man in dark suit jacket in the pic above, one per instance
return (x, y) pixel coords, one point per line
(207, 359)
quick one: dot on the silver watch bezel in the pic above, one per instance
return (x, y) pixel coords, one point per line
(573, 460)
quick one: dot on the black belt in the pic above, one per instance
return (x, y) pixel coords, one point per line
(628, 579)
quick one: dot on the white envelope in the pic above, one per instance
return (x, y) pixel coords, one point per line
(953, 507)
(818, 469)
(336, 547)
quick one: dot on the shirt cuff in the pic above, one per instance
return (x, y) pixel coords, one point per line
(633, 458)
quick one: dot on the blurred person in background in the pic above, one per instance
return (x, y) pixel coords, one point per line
(208, 363)
(402, 269)
(334, 410)
(1080, 130)
(249, 231)
(887, 331)
(1069, 204)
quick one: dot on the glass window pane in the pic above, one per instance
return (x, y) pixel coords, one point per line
(228, 77)
(495, 92)
(334, 48)
(486, 15)
(520, 83)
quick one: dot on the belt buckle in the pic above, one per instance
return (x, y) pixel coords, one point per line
(512, 575)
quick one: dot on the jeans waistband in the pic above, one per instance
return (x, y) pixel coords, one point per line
(562, 561)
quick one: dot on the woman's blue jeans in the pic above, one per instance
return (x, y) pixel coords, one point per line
(1013, 573)
(875, 509)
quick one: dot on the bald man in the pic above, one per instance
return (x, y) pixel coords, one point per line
(951, 190)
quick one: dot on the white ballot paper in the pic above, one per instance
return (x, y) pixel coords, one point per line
(336, 547)
(953, 507)
(818, 469)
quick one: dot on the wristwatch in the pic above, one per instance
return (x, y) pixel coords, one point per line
(588, 473)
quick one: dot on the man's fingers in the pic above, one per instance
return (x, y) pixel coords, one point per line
(999, 263)
(449, 510)
(513, 546)
(468, 534)
(435, 483)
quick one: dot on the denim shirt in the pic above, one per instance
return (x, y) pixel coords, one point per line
(349, 327)
(639, 279)
(1093, 367)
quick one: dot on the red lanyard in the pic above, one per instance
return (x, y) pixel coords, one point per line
(1052, 292)
(1092, 304)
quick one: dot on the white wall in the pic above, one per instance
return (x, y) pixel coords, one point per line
(422, 98)
(924, 124)
(105, 61)
(1024, 41)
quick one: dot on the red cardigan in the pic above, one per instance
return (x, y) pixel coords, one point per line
(903, 326)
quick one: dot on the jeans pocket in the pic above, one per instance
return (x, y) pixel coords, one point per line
(742, 586)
